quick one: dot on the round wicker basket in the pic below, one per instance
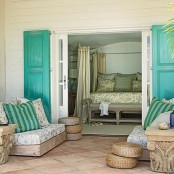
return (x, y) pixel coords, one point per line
(73, 137)
(126, 149)
(69, 120)
(120, 162)
(74, 129)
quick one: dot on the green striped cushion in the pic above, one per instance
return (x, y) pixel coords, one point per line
(24, 115)
(156, 107)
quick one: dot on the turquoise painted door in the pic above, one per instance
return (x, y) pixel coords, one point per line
(163, 65)
(37, 67)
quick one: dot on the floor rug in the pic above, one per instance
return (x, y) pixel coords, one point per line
(107, 129)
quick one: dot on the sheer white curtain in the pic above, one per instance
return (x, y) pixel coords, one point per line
(83, 87)
(98, 66)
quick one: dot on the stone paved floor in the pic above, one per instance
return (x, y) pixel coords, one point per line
(86, 156)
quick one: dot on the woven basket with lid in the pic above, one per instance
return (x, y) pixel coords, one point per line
(126, 149)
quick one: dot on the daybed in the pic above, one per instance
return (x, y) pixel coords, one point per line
(34, 135)
(123, 94)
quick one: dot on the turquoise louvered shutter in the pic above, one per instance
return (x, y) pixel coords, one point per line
(37, 67)
(163, 64)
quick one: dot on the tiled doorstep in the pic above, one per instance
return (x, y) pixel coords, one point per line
(86, 156)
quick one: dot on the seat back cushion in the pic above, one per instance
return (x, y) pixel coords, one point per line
(23, 114)
(3, 118)
(38, 106)
(156, 107)
(162, 118)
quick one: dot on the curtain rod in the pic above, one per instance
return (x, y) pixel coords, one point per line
(123, 53)
(113, 53)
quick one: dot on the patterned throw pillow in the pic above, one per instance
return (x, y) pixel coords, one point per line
(107, 76)
(139, 76)
(40, 112)
(123, 84)
(3, 118)
(156, 107)
(132, 76)
(105, 85)
(24, 115)
(38, 108)
(137, 86)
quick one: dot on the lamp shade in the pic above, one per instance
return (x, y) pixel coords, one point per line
(73, 73)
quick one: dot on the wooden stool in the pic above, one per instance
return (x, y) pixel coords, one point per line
(124, 155)
(73, 128)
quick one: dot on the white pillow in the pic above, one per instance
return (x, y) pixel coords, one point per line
(21, 100)
(3, 118)
(171, 101)
(38, 108)
(162, 118)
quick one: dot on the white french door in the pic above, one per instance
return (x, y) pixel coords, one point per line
(146, 72)
(59, 76)
(63, 75)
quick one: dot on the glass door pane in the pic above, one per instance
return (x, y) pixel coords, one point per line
(63, 75)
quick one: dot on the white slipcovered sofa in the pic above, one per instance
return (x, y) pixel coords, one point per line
(36, 141)
(154, 117)
(138, 137)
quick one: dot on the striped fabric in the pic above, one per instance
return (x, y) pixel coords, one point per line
(24, 115)
(156, 107)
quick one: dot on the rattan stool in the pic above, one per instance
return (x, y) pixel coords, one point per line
(74, 137)
(74, 129)
(69, 120)
(120, 162)
(124, 155)
(126, 149)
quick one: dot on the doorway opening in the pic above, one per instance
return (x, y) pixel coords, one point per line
(126, 53)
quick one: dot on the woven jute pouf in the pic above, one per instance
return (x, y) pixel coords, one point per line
(69, 120)
(73, 137)
(74, 129)
(126, 149)
(120, 162)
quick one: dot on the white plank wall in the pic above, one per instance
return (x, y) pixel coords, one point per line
(70, 15)
(2, 50)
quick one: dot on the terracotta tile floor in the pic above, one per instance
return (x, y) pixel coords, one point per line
(86, 156)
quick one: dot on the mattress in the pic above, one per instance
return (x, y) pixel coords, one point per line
(116, 97)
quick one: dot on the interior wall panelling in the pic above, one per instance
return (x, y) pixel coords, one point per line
(69, 15)
(2, 50)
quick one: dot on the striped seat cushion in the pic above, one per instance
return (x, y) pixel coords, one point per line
(24, 115)
(156, 107)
